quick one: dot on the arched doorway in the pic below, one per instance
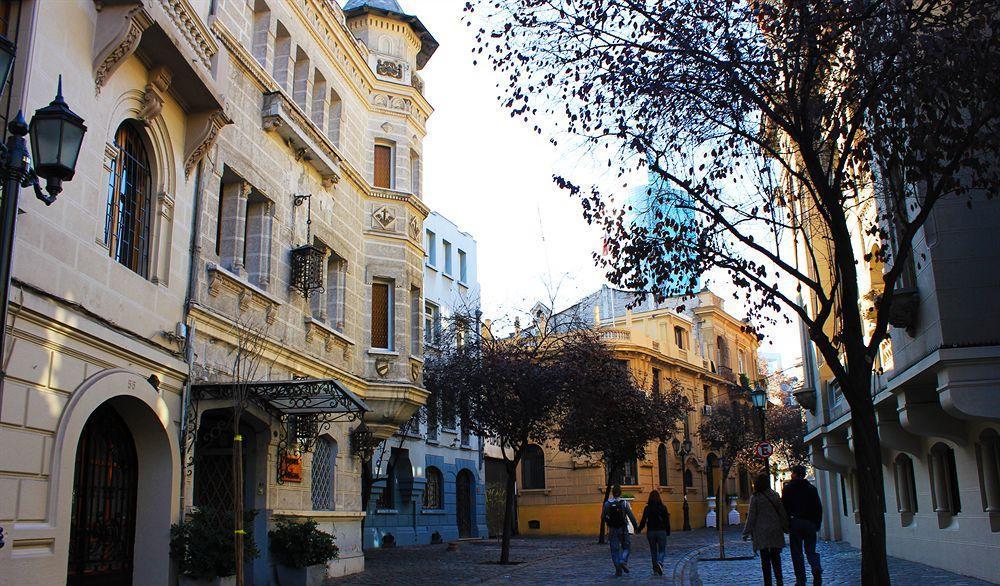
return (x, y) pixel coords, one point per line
(464, 486)
(103, 518)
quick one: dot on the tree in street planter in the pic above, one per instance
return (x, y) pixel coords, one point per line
(771, 121)
(510, 391)
(202, 546)
(613, 417)
(297, 547)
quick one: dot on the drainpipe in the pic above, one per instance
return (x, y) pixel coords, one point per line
(189, 300)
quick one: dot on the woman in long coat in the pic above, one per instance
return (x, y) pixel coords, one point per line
(767, 523)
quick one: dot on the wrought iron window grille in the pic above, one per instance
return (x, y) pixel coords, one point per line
(308, 259)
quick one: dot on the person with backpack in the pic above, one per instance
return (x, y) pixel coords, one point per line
(656, 520)
(616, 514)
(767, 524)
(805, 515)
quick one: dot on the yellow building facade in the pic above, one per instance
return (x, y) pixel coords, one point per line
(702, 349)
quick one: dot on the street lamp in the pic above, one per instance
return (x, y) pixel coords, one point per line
(759, 398)
(56, 137)
(683, 449)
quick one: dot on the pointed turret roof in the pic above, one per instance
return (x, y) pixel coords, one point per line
(392, 9)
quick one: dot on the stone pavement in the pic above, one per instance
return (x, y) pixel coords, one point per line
(576, 560)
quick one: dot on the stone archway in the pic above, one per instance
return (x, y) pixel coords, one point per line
(157, 473)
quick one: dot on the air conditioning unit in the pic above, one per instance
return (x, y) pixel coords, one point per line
(706, 410)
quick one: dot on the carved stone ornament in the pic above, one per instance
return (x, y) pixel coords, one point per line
(119, 32)
(152, 105)
(414, 228)
(382, 367)
(389, 69)
(415, 372)
(211, 123)
(384, 218)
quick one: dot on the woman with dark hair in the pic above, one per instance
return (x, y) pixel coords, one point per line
(767, 523)
(656, 519)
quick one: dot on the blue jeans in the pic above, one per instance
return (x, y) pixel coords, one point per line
(621, 543)
(657, 546)
(802, 533)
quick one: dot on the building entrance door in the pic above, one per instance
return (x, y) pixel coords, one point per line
(102, 524)
(463, 503)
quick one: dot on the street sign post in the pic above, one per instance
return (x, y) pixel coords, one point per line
(764, 450)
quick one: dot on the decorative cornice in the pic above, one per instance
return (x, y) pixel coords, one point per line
(244, 59)
(220, 278)
(400, 196)
(189, 24)
(212, 123)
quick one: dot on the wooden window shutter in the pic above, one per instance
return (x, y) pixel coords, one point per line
(380, 315)
(383, 166)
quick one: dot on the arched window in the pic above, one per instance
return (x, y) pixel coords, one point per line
(533, 468)
(129, 210)
(688, 479)
(723, 348)
(434, 490)
(944, 480)
(711, 465)
(906, 489)
(661, 464)
(324, 470)
(988, 456)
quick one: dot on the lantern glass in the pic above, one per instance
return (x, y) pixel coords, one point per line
(676, 443)
(759, 398)
(56, 138)
(686, 446)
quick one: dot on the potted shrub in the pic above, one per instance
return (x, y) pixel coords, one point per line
(301, 551)
(203, 545)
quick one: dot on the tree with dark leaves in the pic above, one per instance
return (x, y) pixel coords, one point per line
(776, 122)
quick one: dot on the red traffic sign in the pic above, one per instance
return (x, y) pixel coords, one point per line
(764, 450)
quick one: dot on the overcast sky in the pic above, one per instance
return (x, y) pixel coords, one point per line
(492, 175)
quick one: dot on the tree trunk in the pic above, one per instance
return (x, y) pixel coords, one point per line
(508, 514)
(607, 491)
(871, 490)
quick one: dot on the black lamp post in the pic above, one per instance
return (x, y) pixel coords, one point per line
(56, 136)
(683, 449)
(759, 398)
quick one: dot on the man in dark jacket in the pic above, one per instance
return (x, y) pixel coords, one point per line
(805, 514)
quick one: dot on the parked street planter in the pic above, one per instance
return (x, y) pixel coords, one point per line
(307, 576)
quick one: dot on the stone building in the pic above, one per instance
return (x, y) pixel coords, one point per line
(251, 171)
(936, 393)
(704, 350)
(430, 474)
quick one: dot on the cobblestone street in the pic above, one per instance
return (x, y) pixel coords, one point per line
(582, 561)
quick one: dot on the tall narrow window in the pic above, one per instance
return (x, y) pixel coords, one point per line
(656, 382)
(434, 489)
(630, 473)
(723, 350)
(707, 392)
(282, 56)
(432, 324)
(679, 337)
(906, 489)
(383, 166)
(129, 202)
(319, 95)
(382, 315)
(463, 267)
(988, 459)
(711, 466)
(387, 500)
(324, 470)
(300, 80)
(661, 464)
(257, 239)
(533, 468)
(944, 480)
(415, 316)
(261, 32)
(447, 257)
(414, 173)
(432, 256)
(741, 359)
(336, 291)
(335, 116)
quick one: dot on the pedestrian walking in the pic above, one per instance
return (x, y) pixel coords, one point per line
(617, 514)
(767, 525)
(805, 515)
(656, 520)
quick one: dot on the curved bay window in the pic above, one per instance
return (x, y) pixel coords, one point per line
(434, 490)
(129, 202)
(533, 468)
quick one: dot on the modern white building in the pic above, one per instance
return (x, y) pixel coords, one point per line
(429, 477)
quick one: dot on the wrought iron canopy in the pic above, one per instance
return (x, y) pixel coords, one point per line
(323, 397)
